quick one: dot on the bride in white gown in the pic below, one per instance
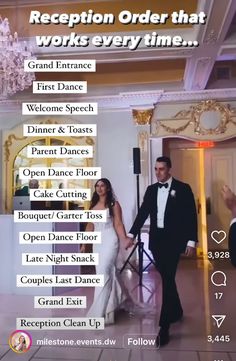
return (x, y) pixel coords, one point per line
(113, 295)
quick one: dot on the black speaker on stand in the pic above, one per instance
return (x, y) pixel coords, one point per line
(139, 245)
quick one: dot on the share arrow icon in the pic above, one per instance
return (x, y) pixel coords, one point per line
(219, 319)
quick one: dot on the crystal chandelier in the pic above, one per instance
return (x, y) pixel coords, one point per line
(12, 56)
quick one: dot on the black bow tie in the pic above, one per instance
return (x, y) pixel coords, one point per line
(160, 185)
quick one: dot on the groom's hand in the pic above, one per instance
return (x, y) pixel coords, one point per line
(82, 248)
(129, 242)
(190, 251)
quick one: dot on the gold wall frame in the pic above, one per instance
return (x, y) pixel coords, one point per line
(14, 142)
(191, 123)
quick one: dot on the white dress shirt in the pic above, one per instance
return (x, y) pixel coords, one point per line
(162, 196)
(233, 221)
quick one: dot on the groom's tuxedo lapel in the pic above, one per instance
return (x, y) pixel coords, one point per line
(155, 210)
(155, 196)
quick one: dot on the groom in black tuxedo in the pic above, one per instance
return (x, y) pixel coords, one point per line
(173, 230)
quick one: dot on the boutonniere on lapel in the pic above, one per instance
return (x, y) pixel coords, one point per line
(173, 193)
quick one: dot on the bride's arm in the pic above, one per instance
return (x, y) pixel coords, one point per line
(89, 228)
(119, 226)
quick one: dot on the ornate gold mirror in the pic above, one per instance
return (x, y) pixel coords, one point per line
(15, 146)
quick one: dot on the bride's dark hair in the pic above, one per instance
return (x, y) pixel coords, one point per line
(110, 197)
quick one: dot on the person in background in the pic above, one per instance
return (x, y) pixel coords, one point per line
(230, 202)
(36, 205)
(24, 191)
(33, 184)
(58, 205)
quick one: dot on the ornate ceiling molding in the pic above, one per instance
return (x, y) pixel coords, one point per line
(130, 100)
(126, 100)
(220, 10)
(206, 119)
(229, 94)
(211, 39)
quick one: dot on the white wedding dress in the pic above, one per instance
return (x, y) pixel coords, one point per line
(109, 298)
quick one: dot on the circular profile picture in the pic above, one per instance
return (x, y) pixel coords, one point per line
(20, 341)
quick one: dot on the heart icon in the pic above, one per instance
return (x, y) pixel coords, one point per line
(221, 235)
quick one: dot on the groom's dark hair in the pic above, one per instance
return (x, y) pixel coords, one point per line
(164, 160)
